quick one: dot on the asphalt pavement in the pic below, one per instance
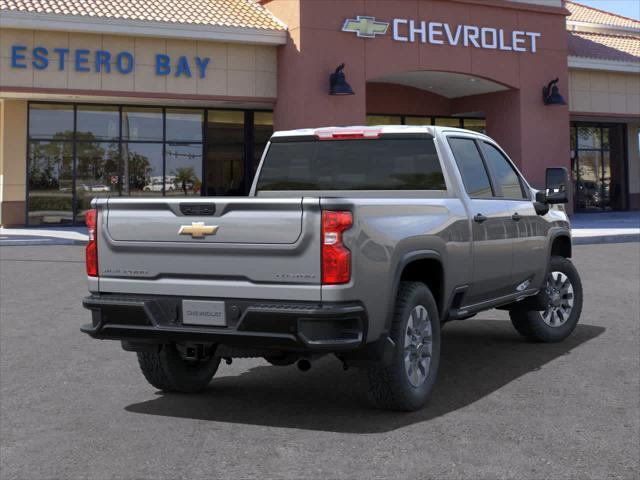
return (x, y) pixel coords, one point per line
(72, 407)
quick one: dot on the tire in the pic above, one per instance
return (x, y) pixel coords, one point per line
(558, 321)
(166, 370)
(405, 385)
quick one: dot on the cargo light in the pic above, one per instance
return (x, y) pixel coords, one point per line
(347, 134)
(336, 258)
(91, 253)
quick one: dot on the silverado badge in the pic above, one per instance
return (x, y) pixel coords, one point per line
(198, 230)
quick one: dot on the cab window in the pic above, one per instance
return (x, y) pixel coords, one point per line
(472, 168)
(505, 175)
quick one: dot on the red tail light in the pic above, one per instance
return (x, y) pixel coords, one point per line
(336, 258)
(92, 247)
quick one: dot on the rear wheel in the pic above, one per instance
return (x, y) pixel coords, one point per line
(406, 382)
(564, 306)
(169, 369)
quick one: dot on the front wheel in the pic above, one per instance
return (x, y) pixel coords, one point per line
(169, 370)
(406, 382)
(564, 306)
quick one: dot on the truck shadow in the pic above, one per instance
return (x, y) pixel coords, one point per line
(478, 358)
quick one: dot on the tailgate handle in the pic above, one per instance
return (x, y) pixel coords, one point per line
(194, 209)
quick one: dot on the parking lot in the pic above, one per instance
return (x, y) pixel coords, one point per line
(72, 407)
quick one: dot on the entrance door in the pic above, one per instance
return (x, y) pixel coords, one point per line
(598, 161)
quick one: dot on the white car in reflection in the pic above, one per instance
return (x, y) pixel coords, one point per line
(156, 186)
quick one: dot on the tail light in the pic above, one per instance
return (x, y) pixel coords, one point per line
(336, 258)
(92, 247)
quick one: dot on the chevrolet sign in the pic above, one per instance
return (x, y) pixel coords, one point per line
(437, 33)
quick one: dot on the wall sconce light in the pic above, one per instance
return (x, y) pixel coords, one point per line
(551, 94)
(338, 83)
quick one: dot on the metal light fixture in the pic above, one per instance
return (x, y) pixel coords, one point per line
(551, 94)
(338, 83)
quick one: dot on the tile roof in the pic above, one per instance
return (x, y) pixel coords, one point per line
(624, 48)
(224, 13)
(582, 13)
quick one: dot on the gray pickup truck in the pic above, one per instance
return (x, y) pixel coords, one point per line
(359, 242)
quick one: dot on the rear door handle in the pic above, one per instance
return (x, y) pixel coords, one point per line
(516, 216)
(479, 218)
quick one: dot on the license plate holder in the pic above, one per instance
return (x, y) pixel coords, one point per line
(204, 312)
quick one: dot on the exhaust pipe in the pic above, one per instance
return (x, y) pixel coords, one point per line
(304, 365)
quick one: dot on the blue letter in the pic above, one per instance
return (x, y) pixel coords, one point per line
(40, 60)
(183, 67)
(81, 59)
(103, 59)
(202, 65)
(15, 56)
(61, 54)
(120, 62)
(163, 64)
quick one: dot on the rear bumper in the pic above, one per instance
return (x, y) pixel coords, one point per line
(290, 326)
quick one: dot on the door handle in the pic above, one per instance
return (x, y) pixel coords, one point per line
(516, 216)
(479, 218)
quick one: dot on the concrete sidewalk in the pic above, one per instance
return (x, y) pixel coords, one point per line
(588, 228)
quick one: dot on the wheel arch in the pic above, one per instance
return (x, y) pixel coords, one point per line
(424, 266)
(561, 245)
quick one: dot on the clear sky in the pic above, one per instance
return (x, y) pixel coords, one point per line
(628, 8)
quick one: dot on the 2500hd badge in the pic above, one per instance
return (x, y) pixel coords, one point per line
(398, 230)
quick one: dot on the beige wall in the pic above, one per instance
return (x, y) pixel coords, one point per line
(236, 70)
(13, 161)
(592, 91)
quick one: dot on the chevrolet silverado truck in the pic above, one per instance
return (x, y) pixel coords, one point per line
(359, 242)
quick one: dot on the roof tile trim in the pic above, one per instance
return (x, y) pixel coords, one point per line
(586, 14)
(223, 13)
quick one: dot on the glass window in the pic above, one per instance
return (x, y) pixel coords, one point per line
(417, 120)
(589, 137)
(475, 124)
(263, 129)
(184, 125)
(184, 169)
(50, 121)
(97, 172)
(505, 174)
(50, 172)
(143, 169)
(225, 153)
(97, 123)
(447, 122)
(472, 169)
(384, 120)
(142, 124)
(408, 164)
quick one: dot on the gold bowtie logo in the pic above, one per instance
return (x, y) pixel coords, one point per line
(198, 230)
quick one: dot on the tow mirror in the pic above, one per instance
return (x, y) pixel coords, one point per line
(556, 186)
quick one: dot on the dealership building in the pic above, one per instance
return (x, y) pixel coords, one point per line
(179, 97)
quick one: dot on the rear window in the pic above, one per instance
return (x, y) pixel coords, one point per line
(381, 164)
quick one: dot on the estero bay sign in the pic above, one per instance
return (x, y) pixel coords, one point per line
(439, 33)
(98, 61)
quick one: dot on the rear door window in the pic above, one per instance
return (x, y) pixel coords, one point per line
(380, 164)
(472, 168)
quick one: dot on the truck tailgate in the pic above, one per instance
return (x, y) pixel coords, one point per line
(236, 220)
(214, 247)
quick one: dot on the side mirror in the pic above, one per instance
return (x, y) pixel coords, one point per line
(556, 186)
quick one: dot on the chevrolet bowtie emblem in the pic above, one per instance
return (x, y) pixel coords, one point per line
(365, 27)
(198, 230)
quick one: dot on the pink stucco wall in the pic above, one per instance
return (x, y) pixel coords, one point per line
(536, 136)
